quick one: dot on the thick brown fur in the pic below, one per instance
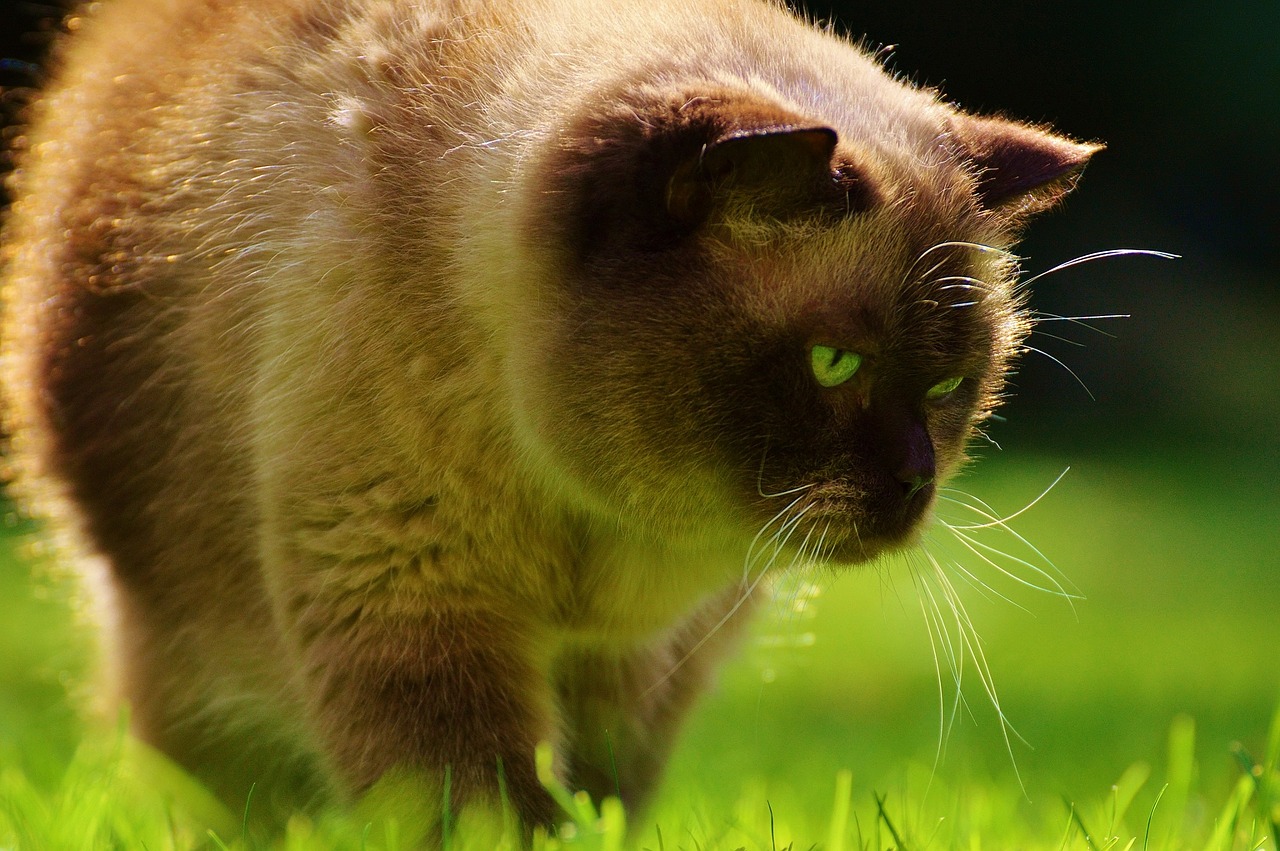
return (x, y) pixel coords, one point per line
(422, 373)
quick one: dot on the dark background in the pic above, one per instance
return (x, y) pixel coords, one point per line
(1187, 97)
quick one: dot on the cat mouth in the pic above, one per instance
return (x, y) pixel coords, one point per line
(847, 526)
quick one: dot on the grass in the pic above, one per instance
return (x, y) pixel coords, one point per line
(1148, 709)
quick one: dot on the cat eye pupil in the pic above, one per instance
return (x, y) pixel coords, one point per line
(944, 388)
(832, 366)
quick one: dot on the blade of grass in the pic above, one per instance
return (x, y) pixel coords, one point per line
(840, 811)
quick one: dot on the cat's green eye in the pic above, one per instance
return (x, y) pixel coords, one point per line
(833, 367)
(943, 389)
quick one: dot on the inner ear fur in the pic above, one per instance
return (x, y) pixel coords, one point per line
(653, 165)
(773, 163)
(1019, 168)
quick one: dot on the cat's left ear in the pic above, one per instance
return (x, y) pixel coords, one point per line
(1019, 168)
(777, 164)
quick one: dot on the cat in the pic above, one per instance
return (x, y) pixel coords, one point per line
(425, 381)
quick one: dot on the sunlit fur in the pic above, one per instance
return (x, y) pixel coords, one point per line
(420, 398)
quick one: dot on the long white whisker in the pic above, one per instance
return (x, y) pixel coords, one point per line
(990, 514)
(974, 546)
(961, 282)
(1069, 370)
(801, 555)
(984, 588)
(1070, 342)
(929, 274)
(778, 540)
(1042, 317)
(788, 492)
(930, 629)
(760, 481)
(1099, 255)
(975, 246)
(971, 639)
(733, 610)
(955, 650)
(1002, 521)
(819, 551)
(751, 548)
(955, 661)
(972, 642)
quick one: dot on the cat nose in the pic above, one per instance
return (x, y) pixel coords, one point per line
(913, 484)
(915, 469)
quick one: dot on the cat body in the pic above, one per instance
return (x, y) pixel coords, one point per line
(429, 380)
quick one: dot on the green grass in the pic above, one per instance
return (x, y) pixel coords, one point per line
(1147, 709)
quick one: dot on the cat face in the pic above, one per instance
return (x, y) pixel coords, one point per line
(752, 315)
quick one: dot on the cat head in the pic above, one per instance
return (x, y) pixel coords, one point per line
(751, 307)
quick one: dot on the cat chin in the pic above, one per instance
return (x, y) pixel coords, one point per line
(843, 532)
(856, 551)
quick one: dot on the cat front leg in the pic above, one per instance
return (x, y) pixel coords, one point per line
(449, 689)
(624, 706)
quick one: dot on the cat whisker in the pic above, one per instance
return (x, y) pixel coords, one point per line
(928, 610)
(760, 481)
(1058, 337)
(927, 275)
(1098, 255)
(940, 636)
(958, 648)
(980, 549)
(748, 589)
(993, 519)
(966, 283)
(1059, 581)
(980, 431)
(819, 551)
(756, 540)
(961, 282)
(802, 552)
(806, 557)
(972, 642)
(934, 620)
(777, 540)
(953, 637)
(985, 589)
(974, 246)
(1070, 371)
(1041, 316)
(788, 492)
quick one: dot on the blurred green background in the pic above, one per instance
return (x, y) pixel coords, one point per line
(1166, 523)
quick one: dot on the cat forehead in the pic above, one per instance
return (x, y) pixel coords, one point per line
(870, 280)
(924, 227)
